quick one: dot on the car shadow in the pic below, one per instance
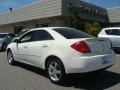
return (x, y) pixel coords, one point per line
(91, 81)
(31, 68)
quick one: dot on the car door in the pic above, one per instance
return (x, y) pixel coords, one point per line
(22, 46)
(40, 46)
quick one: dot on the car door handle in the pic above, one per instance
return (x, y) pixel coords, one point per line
(44, 45)
(24, 46)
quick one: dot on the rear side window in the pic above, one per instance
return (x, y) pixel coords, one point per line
(70, 33)
(115, 32)
(40, 35)
(108, 32)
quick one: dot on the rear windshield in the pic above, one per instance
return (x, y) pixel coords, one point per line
(70, 33)
(3, 35)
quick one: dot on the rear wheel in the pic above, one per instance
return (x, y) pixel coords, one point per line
(10, 57)
(55, 71)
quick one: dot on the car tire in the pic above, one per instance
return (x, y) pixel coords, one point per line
(10, 57)
(55, 71)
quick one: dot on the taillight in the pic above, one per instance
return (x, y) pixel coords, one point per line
(81, 46)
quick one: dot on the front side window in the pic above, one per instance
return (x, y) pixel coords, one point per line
(26, 38)
(37, 35)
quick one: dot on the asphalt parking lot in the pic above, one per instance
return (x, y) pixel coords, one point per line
(25, 77)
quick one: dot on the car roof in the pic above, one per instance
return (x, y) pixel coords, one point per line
(111, 28)
(45, 28)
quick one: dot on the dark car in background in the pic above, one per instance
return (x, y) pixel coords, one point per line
(5, 39)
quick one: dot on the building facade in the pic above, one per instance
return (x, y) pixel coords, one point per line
(114, 16)
(49, 13)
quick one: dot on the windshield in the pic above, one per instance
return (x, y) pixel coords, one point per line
(20, 33)
(3, 35)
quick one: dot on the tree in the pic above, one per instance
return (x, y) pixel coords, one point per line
(75, 20)
(92, 28)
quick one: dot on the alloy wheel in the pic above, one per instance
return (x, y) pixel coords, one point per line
(54, 71)
(10, 57)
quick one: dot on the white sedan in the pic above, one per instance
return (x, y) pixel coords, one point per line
(61, 51)
(113, 33)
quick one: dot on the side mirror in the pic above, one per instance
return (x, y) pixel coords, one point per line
(16, 40)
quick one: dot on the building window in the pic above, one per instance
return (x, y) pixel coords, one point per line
(70, 6)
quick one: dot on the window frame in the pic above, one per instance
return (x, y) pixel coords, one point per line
(32, 32)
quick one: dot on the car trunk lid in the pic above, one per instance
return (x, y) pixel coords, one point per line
(99, 45)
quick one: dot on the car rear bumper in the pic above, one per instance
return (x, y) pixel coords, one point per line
(89, 63)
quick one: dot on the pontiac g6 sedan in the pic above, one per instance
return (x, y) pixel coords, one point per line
(61, 51)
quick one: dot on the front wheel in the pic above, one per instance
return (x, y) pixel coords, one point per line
(55, 71)
(10, 57)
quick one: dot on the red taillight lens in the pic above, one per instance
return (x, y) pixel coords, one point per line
(81, 46)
